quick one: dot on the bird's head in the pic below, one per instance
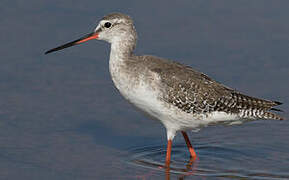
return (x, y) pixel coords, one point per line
(113, 28)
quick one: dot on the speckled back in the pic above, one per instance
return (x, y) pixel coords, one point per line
(194, 92)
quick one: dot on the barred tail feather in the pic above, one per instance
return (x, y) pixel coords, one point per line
(270, 115)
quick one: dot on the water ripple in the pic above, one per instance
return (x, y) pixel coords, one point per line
(213, 161)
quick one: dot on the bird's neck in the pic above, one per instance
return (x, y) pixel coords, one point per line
(120, 53)
(122, 49)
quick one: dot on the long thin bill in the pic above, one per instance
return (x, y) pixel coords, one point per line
(72, 43)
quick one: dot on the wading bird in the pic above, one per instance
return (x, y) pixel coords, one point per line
(180, 97)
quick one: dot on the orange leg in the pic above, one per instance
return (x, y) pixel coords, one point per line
(191, 149)
(168, 156)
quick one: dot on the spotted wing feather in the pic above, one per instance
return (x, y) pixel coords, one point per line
(196, 93)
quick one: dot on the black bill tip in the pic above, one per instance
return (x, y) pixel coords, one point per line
(85, 38)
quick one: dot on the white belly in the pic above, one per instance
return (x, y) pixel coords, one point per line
(147, 97)
(174, 119)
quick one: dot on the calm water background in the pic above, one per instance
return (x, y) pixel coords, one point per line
(61, 117)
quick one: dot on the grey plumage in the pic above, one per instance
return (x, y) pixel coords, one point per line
(194, 92)
(189, 90)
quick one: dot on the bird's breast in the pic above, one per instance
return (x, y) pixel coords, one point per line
(140, 88)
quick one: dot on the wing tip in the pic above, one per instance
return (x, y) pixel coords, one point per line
(277, 103)
(275, 109)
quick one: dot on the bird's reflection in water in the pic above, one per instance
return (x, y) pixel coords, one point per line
(189, 169)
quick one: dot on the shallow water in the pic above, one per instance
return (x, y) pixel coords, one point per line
(62, 118)
(220, 159)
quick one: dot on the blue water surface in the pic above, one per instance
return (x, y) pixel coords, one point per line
(62, 118)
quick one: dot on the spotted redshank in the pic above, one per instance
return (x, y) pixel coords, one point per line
(180, 97)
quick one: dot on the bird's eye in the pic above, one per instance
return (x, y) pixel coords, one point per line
(107, 24)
